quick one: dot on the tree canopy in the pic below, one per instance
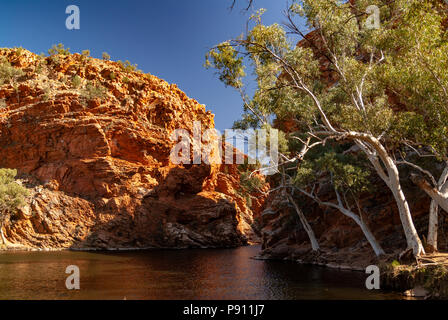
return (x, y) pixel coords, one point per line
(380, 89)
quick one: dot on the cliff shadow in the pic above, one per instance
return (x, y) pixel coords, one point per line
(177, 213)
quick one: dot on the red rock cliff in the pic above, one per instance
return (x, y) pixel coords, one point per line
(98, 164)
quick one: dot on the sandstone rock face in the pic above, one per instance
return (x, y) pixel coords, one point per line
(99, 165)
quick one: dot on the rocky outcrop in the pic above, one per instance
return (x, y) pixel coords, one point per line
(91, 139)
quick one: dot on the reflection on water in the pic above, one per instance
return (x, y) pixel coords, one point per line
(172, 274)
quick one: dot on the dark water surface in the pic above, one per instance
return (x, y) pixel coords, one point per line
(166, 274)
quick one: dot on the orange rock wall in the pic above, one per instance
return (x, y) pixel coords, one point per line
(99, 169)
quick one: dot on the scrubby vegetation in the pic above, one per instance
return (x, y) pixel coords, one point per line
(12, 196)
(401, 277)
(127, 66)
(251, 183)
(61, 67)
(59, 49)
(92, 91)
(8, 73)
(76, 81)
(106, 56)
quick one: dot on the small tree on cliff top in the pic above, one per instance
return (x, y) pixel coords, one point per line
(12, 196)
(351, 102)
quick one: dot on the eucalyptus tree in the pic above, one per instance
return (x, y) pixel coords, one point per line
(349, 177)
(415, 75)
(340, 82)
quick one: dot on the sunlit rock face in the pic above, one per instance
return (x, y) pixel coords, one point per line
(98, 165)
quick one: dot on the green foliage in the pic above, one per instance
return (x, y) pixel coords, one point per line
(106, 56)
(8, 73)
(390, 83)
(347, 172)
(59, 49)
(3, 104)
(395, 263)
(247, 167)
(250, 184)
(93, 91)
(12, 194)
(417, 73)
(127, 66)
(55, 59)
(18, 51)
(39, 68)
(225, 58)
(46, 93)
(76, 81)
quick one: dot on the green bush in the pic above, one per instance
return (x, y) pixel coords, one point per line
(46, 93)
(93, 91)
(19, 51)
(250, 183)
(8, 74)
(76, 81)
(127, 66)
(106, 56)
(59, 49)
(12, 194)
(39, 68)
(395, 263)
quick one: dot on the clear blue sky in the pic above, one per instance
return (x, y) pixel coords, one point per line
(167, 38)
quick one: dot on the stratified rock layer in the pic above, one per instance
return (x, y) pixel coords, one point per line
(99, 167)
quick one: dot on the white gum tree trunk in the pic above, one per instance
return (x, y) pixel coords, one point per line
(358, 220)
(365, 229)
(439, 197)
(2, 235)
(412, 238)
(306, 225)
(392, 179)
(433, 226)
(434, 212)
